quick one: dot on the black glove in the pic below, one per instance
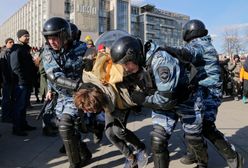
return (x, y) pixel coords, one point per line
(182, 54)
(138, 97)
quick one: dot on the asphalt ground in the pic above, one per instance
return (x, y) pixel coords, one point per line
(38, 151)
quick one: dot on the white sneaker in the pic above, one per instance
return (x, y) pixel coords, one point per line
(142, 158)
(131, 163)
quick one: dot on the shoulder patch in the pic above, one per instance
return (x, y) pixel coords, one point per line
(164, 74)
(47, 56)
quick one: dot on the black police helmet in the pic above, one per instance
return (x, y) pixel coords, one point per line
(127, 48)
(193, 29)
(74, 31)
(57, 26)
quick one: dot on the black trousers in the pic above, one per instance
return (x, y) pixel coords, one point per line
(119, 135)
(245, 88)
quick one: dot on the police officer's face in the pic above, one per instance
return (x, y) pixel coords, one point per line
(130, 67)
(54, 42)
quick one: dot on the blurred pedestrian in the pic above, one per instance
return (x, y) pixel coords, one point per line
(6, 74)
(21, 64)
(244, 81)
(234, 67)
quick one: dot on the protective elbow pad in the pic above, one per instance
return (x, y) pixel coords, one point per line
(63, 82)
(67, 83)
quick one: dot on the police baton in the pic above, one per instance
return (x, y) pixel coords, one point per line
(42, 109)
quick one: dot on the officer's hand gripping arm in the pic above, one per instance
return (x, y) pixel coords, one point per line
(158, 102)
(165, 77)
(182, 54)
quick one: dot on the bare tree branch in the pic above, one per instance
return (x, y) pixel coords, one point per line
(232, 42)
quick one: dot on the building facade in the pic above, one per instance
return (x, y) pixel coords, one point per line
(161, 26)
(94, 17)
(31, 17)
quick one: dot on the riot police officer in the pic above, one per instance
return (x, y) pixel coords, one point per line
(90, 53)
(74, 32)
(165, 73)
(200, 52)
(62, 62)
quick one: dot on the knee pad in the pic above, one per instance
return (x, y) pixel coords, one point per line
(66, 127)
(159, 139)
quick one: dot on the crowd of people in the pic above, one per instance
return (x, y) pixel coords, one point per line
(88, 88)
(234, 78)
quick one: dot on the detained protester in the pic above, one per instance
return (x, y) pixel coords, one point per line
(106, 88)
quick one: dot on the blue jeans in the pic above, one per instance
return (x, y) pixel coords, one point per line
(6, 101)
(21, 97)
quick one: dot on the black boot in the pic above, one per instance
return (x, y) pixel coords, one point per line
(71, 140)
(51, 132)
(188, 158)
(161, 160)
(62, 149)
(85, 153)
(199, 148)
(98, 133)
(73, 154)
(226, 149)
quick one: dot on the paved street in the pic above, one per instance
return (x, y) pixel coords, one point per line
(38, 151)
